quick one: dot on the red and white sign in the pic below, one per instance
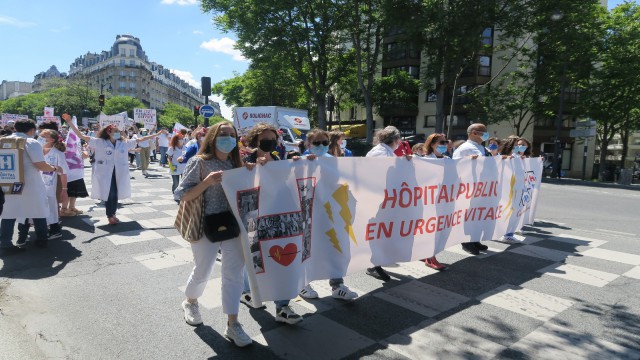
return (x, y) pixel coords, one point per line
(323, 219)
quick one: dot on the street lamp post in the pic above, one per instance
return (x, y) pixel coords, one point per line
(557, 164)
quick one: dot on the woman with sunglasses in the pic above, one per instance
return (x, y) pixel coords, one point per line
(110, 177)
(435, 146)
(263, 140)
(318, 142)
(218, 153)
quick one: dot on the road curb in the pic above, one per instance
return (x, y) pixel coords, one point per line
(578, 182)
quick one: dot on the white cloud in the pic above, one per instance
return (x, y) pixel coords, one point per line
(6, 20)
(198, 32)
(224, 109)
(179, 2)
(225, 46)
(186, 76)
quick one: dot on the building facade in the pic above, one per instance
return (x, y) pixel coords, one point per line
(11, 89)
(125, 70)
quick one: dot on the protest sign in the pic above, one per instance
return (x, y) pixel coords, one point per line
(117, 120)
(145, 116)
(311, 220)
(6, 118)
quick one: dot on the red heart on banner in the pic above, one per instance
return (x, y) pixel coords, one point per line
(284, 256)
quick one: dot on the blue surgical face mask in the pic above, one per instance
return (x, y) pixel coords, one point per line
(225, 144)
(319, 150)
(519, 149)
(116, 135)
(493, 146)
(485, 136)
(441, 149)
(42, 140)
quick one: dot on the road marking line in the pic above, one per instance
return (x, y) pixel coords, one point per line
(616, 232)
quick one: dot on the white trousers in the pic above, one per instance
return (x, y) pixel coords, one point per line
(53, 210)
(204, 257)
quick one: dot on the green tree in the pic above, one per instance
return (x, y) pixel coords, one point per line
(613, 95)
(118, 104)
(267, 82)
(510, 98)
(303, 34)
(365, 23)
(30, 104)
(396, 91)
(173, 113)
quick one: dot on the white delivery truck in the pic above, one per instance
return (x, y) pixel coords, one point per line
(292, 122)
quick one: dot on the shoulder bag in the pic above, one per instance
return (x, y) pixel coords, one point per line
(189, 219)
(221, 226)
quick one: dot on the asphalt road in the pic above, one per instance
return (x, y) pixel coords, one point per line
(569, 290)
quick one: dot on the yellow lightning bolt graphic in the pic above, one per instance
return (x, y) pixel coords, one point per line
(342, 198)
(278, 254)
(333, 237)
(512, 192)
(327, 207)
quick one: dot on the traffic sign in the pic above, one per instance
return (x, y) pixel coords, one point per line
(586, 123)
(588, 132)
(207, 111)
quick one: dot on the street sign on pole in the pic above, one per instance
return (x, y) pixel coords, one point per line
(586, 123)
(206, 111)
(588, 132)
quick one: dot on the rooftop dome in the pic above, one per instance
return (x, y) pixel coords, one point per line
(126, 39)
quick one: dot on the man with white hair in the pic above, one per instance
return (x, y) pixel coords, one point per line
(477, 134)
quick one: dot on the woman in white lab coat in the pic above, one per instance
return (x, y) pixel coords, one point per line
(110, 179)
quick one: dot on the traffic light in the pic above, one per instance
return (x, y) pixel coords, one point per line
(196, 110)
(101, 100)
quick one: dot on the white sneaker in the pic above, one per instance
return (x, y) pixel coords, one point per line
(307, 292)
(192, 313)
(236, 333)
(508, 239)
(342, 292)
(287, 315)
(246, 299)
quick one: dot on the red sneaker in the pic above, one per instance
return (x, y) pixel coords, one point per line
(433, 263)
(113, 220)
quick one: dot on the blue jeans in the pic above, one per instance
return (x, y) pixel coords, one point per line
(111, 205)
(138, 159)
(279, 303)
(6, 230)
(176, 182)
(163, 155)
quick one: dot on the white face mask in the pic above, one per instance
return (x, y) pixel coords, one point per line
(343, 145)
(42, 140)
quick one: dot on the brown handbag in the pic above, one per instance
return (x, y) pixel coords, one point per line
(189, 220)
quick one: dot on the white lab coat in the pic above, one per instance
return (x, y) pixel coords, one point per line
(32, 203)
(109, 157)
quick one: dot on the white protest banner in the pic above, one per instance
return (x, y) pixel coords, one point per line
(322, 219)
(6, 118)
(177, 127)
(73, 154)
(146, 116)
(117, 120)
(55, 119)
(48, 111)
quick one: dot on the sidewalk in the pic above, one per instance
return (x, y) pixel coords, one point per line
(578, 182)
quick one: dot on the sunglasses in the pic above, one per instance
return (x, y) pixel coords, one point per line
(443, 142)
(222, 134)
(318, 143)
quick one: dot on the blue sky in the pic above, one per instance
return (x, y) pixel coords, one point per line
(174, 33)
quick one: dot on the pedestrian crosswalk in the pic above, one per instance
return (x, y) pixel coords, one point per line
(437, 300)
